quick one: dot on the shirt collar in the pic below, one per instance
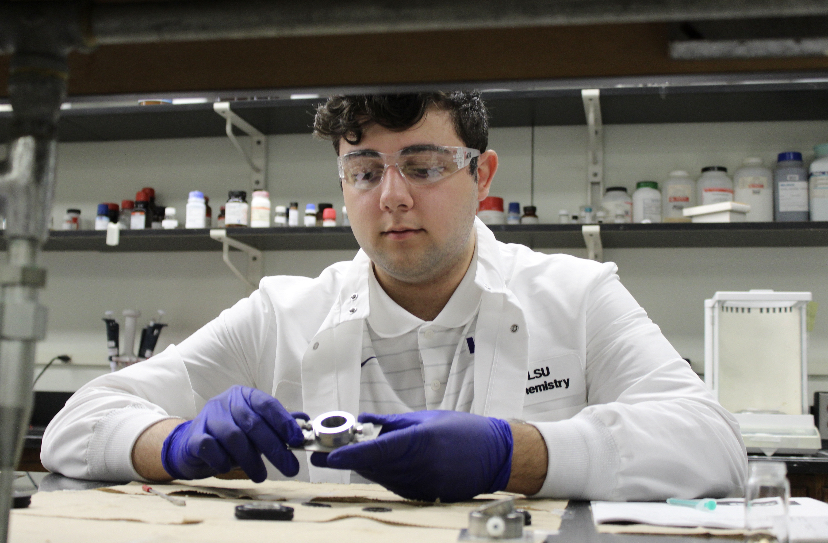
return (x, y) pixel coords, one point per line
(388, 319)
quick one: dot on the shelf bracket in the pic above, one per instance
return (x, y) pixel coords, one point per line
(254, 258)
(256, 158)
(595, 146)
(592, 238)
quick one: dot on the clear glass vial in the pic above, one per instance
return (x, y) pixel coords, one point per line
(767, 498)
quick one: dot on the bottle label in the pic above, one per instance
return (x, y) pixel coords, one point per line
(819, 196)
(793, 196)
(618, 211)
(715, 195)
(259, 216)
(752, 183)
(138, 221)
(235, 214)
(819, 185)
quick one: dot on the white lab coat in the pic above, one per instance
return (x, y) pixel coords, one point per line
(559, 343)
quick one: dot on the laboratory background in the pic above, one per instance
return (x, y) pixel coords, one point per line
(601, 116)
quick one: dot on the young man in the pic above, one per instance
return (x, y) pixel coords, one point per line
(435, 330)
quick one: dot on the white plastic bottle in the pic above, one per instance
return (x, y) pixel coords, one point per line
(196, 212)
(260, 209)
(618, 205)
(310, 215)
(790, 182)
(714, 186)
(818, 180)
(678, 192)
(646, 202)
(280, 216)
(752, 185)
(169, 222)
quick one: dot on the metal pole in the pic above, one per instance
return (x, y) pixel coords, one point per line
(37, 87)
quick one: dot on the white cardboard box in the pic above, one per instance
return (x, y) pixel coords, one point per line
(721, 212)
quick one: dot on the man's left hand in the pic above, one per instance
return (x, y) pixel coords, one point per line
(426, 455)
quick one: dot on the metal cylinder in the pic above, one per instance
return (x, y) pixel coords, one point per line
(334, 429)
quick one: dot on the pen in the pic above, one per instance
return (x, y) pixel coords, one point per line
(708, 504)
(172, 500)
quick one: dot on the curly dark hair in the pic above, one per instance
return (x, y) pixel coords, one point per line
(346, 117)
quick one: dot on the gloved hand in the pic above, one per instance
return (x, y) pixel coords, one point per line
(234, 429)
(427, 455)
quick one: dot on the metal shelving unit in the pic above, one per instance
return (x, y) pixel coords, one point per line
(671, 99)
(544, 236)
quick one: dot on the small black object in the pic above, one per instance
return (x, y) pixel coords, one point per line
(527, 517)
(316, 504)
(21, 501)
(377, 509)
(264, 511)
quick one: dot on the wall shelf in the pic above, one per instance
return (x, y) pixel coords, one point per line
(544, 236)
(672, 99)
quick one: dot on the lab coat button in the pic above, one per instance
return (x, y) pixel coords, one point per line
(515, 328)
(315, 345)
(352, 310)
(354, 296)
(428, 334)
(435, 385)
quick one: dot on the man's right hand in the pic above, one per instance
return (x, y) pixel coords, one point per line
(234, 429)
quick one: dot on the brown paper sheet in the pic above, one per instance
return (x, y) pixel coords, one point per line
(209, 514)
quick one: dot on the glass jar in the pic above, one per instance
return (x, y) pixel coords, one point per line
(236, 210)
(767, 497)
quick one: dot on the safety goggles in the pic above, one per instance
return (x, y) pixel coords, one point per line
(418, 164)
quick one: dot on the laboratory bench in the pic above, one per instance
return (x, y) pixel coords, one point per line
(808, 474)
(576, 520)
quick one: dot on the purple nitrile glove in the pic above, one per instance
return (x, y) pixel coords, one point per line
(427, 455)
(234, 429)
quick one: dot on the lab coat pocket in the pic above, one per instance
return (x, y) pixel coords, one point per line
(555, 388)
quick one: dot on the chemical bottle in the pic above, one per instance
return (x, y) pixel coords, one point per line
(152, 211)
(208, 212)
(586, 215)
(220, 219)
(71, 221)
(125, 217)
(259, 209)
(140, 213)
(169, 222)
(280, 216)
(646, 202)
(790, 188)
(236, 209)
(102, 218)
(514, 213)
(329, 217)
(818, 179)
(310, 215)
(752, 185)
(677, 192)
(320, 212)
(529, 215)
(618, 205)
(113, 212)
(293, 214)
(714, 186)
(345, 220)
(563, 217)
(196, 216)
(490, 210)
